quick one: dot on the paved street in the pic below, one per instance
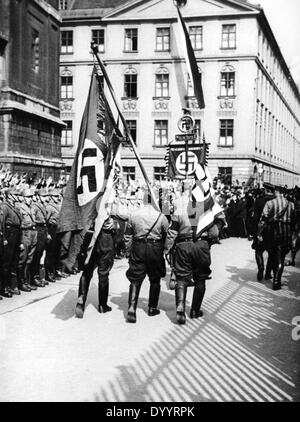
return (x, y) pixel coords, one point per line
(241, 350)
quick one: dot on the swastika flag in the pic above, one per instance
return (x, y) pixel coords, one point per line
(98, 143)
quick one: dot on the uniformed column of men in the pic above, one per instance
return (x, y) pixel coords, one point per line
(28, 220)
(149, 237)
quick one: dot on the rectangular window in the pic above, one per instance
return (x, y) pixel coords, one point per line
(130, 86)
(227, 84)
(226, 133)
(131, 39)
(131, 124)
(63, 4)
(163, 39)
(228, 36)
(196, 37)
(129, 173)
(67, 134)
(162, 85)
(225, 175)
(197, 129)
(159, 173)
(66, 42)
(66, 87)
(35, 50)
(160, 132)
(98, 38)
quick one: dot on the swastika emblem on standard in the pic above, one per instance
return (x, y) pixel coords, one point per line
(181, 163)
(90, 172)
(186, 124)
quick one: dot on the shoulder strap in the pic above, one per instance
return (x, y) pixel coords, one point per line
(281, 214)
(150, 230)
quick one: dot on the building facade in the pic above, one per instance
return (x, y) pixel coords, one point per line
(30, 124)
(252, 113)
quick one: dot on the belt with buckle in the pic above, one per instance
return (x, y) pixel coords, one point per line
(14, 226)
(28, 228)
(146, 240)
(184, 239)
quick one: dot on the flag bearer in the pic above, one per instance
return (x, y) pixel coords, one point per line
(191, 257)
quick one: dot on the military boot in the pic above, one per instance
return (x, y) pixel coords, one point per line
(180, 297)
(134, 291)
(198, 294)
(103, 296)
(260, 265)
(153, 298)
(83, 289)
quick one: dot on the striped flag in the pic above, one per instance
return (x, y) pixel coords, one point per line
(204, 205)
(191, 62)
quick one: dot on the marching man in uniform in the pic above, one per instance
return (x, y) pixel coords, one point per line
(144, 238)
(191, 258)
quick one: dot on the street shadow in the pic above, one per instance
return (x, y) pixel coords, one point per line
(166, 304)
(65, 309)
(241, 351)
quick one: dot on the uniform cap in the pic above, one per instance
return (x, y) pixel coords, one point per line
(27, 193)
(53, 192)
(42, 192)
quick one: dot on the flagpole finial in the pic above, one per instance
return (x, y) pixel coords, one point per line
(94, 47)
(180, 3)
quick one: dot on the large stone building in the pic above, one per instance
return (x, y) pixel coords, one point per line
(30, 125)
(252, 113)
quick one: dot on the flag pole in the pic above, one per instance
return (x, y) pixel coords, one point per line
(94, 48)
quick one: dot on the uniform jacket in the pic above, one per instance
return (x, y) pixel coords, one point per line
(26, 215)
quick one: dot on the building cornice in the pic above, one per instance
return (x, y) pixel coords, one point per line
(265, 26)
(31, 99)
(9, 106)
(13, 157)
(276, 88)
(48, 9)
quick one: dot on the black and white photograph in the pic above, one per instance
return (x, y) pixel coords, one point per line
(149, 204)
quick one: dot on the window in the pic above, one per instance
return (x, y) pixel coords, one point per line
(159, 173)
(131, 124)
(98, 38)
(129, 173)
(196, 37)
(130, 83)
(228, 36)
(160, 132)
(35, 50)
(3, 44)
(227, 81)
(66, 42)
(197, 129)
(161, 85)
(66, 87)
(163, 39)
(67, 134)
(226, 133)
(63, 4)
(225, 175)
(131, 39)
